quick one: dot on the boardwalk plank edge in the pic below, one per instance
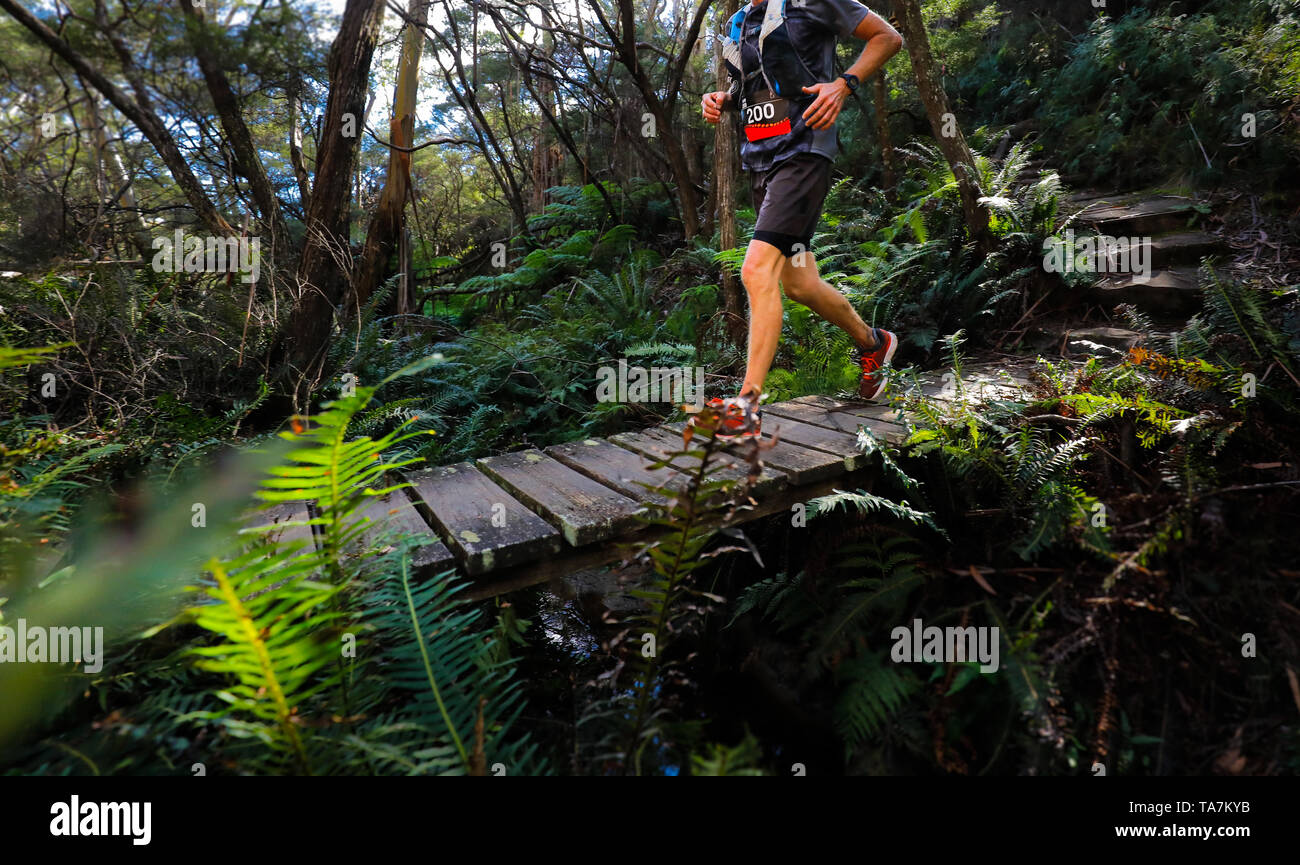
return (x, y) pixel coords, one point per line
(602, 554)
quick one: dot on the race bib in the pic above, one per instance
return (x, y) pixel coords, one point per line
(767, 117)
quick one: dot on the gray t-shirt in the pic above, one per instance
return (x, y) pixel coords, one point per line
(813, 26)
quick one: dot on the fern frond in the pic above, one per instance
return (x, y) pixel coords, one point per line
(276, 644)
(871, 691)
(866, 503)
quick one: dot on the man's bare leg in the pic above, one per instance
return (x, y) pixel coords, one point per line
(803, 284)
(765, 272)
(761, 276)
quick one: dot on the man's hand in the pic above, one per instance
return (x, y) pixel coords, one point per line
(826, 107)
(712, 105)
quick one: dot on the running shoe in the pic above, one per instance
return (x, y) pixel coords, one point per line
(873, 362)
(741, 418)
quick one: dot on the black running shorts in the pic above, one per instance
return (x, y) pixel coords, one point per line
(788, 199)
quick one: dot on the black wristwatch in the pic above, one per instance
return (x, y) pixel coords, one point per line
(851, 80)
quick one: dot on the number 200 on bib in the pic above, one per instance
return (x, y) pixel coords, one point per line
(763, 111)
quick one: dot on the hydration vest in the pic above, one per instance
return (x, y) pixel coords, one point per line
(783, 70)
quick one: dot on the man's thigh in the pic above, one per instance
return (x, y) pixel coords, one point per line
(793, 192)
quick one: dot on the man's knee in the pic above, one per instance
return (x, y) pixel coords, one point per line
(795, 288)
(758, 275)
(799, 282)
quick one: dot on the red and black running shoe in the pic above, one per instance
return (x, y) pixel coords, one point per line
(873, 362)
(741, 418)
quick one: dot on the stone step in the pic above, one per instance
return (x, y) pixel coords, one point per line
(1136, 216)
(1173, 291)
(1122, 255)
(1182, 248)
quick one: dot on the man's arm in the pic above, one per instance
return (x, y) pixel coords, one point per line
(883, 43)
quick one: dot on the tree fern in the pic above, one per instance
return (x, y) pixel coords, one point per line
(871, 690)
(448, 681)
(864, 502)
(718, 760)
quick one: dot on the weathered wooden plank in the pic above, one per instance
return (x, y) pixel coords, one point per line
(584, 510)
(800, 464)
(484, 525)
(769, 479)
(617, 468)
(832, 441)
(825, 412)
(394, 514)
(277, 515)
(657, 444)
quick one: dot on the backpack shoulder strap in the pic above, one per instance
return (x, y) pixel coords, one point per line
(773, 17)
(737, 22)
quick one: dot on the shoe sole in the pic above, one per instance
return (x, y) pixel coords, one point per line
(727, 437)
(889, 356)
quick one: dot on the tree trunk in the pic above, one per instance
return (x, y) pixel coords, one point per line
(889, 175)
(953, 143)
(117, 184)
(247, 161)
(294, 91)
(726, 165)
(626, 46)
(677, 162)
(543, 166)
(389, 217)
(406, 289)
(695, 144)
(545, 104)
(326, 255)
(466, 96)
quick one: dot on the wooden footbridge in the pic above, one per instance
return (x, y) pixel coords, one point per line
(518, 519)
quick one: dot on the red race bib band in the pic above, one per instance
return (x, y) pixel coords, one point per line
(759, 131)
(766, 118)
